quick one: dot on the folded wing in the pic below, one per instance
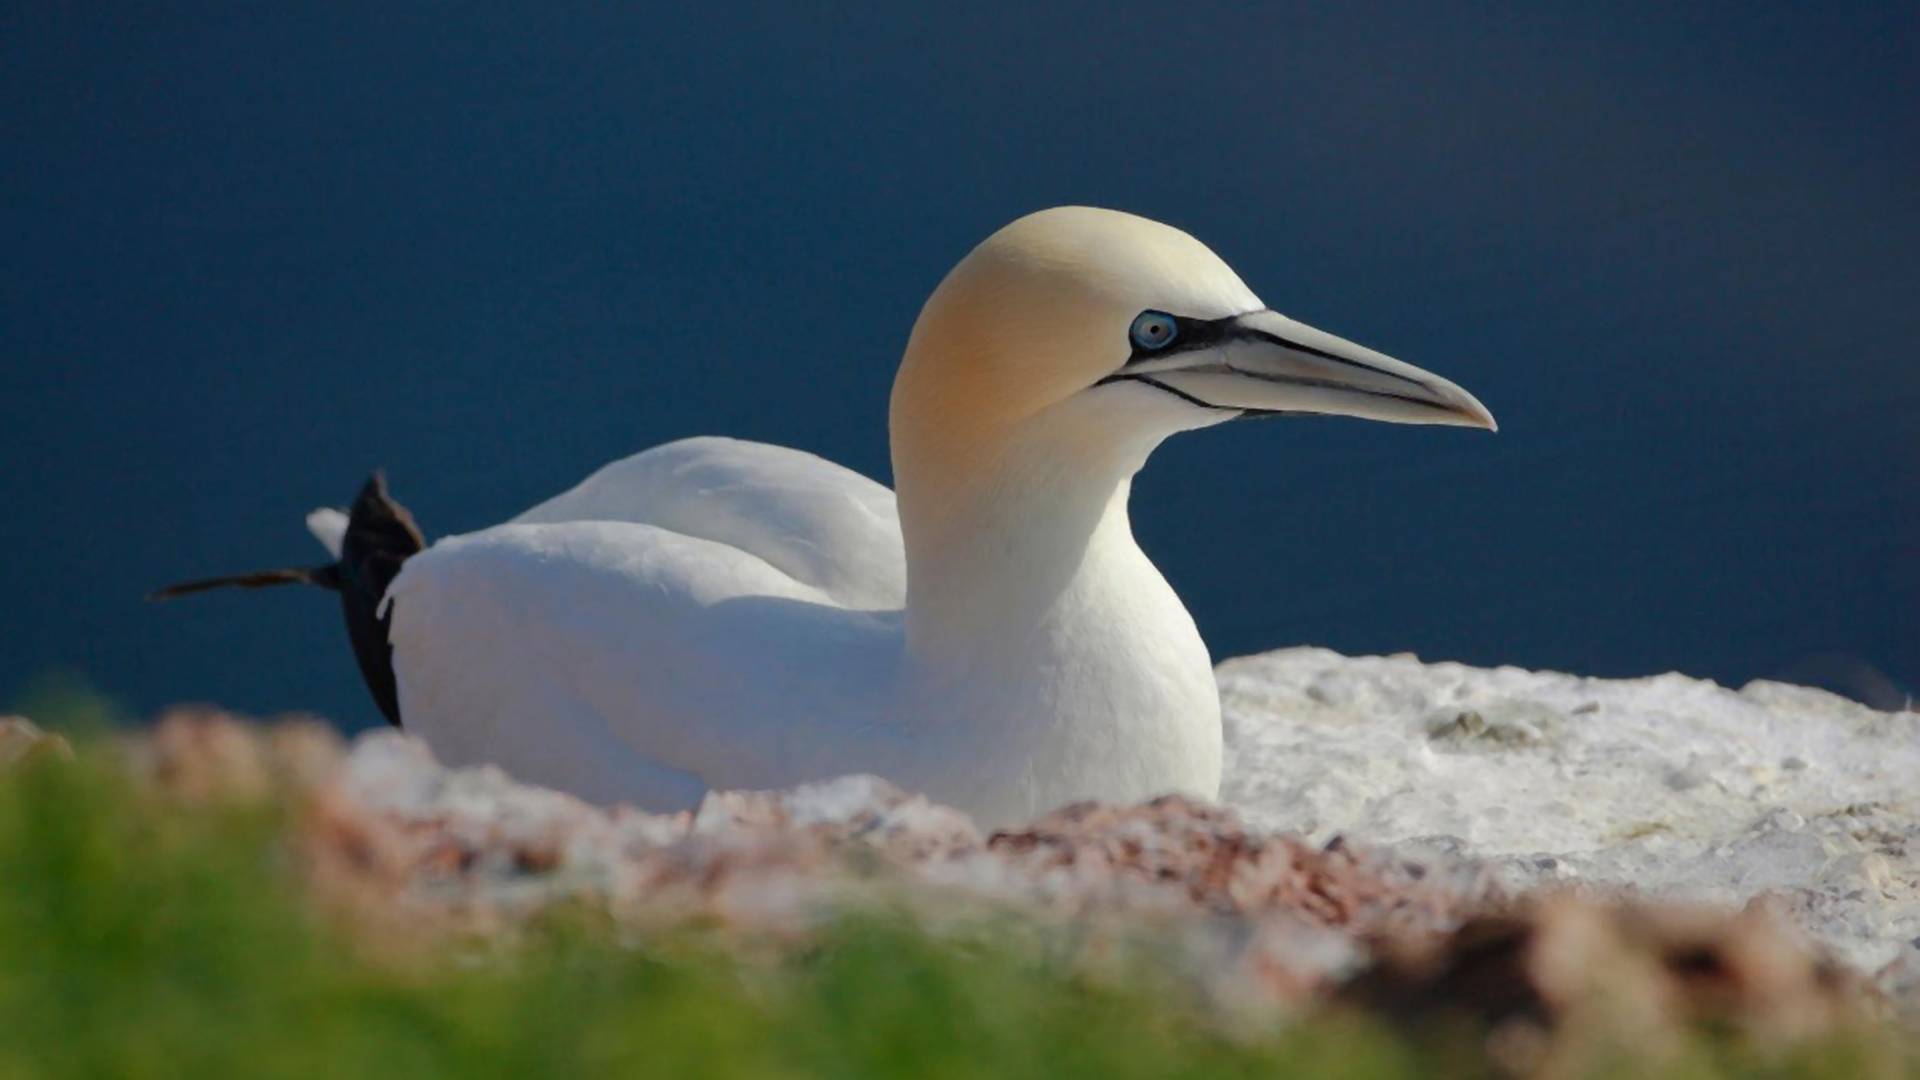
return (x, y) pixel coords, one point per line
(821, 524)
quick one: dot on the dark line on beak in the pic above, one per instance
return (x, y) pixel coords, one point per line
(1282, 380)
(1197, 334)
(1181, 394)
(1288, 343)
(1339, 387)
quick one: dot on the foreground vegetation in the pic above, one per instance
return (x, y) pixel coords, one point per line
(144, 936)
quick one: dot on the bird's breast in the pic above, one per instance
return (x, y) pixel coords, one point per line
(1108, 695)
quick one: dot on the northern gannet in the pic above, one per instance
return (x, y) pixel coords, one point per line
(715, 614)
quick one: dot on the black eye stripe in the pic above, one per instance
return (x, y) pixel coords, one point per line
(1207, 333)
(1190, 334)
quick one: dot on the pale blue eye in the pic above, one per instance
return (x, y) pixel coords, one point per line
(1153, 330)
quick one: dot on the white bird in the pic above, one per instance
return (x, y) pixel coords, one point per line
(714, 614)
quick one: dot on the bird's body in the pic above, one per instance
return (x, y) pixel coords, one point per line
(716, 614)
(722, 614)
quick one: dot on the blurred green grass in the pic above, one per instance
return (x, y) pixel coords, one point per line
(143, 937)
(146, 938)
(67, 701)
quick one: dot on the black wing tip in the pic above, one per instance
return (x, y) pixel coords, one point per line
(381, 536)
(381, 521)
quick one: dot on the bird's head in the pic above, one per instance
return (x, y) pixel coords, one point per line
(1107, 332)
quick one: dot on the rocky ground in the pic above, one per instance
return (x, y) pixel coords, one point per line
(1529, 849)
(1790, 798)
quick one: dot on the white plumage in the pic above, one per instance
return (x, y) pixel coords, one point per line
(329, 526)
(820, 524)
(722, 614)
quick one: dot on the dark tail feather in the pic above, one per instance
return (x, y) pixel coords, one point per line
(326, 577)
(380, 537)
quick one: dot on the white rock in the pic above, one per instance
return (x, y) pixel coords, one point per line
(1670, 786)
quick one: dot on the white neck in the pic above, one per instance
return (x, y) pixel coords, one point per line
(999, 541)
(1035, 621)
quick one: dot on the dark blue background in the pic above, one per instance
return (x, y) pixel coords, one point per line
(249, 256)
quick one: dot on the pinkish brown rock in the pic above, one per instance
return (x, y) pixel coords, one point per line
(204, 754)
(1256, 919)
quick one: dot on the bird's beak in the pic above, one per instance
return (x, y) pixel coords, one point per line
(1263, 363)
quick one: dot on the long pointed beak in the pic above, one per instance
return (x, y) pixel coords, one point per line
(1266, 363)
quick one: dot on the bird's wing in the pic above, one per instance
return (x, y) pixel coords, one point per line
(624, 661)
(821, 524)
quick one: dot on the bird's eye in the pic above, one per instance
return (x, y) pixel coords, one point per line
(1153, 330)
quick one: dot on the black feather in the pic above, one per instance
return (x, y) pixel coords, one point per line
(381, 536)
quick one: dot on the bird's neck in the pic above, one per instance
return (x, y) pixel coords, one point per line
(1014, 545)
